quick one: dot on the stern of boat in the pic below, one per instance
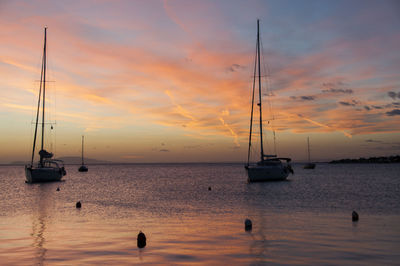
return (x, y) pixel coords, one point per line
(28, 173)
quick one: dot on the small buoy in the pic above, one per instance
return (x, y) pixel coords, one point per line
(209, 188)
(78, 204)
(248, 225)
(141, 240)
(58, 189)
(354, 216)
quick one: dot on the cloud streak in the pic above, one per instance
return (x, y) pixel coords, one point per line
(393, 112)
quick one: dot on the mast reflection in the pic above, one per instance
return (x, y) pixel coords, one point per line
(40, 217)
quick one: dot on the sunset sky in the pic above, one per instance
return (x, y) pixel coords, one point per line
(170, 81)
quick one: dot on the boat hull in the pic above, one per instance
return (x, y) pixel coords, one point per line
(309, 166)
(261, 173)
(83, 168)
(46, 174)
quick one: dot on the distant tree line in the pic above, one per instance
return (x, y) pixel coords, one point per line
(382, 159)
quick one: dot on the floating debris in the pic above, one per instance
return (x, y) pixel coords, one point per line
(209, 188)
(58, 189)
(78, 204)
(248, 225)
(354, 216)
(141, 240)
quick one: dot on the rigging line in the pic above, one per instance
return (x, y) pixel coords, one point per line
(259, 88)
(44, 90)
(269, 93)
(268, 85)
(52, 115)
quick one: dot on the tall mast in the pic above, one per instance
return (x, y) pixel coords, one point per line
(37, 112)
(44, 89)
(82, 149)
(259, 88)
(252, 105)
(308, 148)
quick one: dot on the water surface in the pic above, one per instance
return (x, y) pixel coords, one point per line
(306, 220)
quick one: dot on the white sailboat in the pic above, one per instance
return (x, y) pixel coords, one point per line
(47, 169)
(83, 167)
(309, 165)
(270, 167)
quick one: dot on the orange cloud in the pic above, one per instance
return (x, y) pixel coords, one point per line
(178, 108)
(96, 98)
(230, 130)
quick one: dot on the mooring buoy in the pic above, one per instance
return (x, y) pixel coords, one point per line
(209, 188)
(58, 189)
(354, 216)
(78, 204)
(248, 225)
(141, 240)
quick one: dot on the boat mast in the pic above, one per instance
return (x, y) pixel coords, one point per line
(252, 105)
(82, 150)
(308, 147)
(38, 108)
(44, 90)
(259, 88)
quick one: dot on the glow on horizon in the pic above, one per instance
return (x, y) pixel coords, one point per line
(170, 81)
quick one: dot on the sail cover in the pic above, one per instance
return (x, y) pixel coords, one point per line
(45, 154)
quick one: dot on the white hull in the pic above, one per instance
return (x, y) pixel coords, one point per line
(46, 174)
(259, 173)
(270, 167)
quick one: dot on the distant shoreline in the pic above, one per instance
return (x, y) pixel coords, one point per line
(129, 163)
(382, 159)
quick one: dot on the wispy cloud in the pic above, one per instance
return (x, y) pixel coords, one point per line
(373, 141)
(393, 112)
(336, 87)
(303, 98)
(235, 136)
(333, 90)
(394, 95)
(349, 103)
(178, 108)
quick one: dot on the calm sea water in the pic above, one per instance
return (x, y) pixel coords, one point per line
(303, 221)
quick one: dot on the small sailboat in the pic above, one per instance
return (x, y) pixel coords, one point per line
(309, 165)
(270, 167)
(83, 167)
(47, 169)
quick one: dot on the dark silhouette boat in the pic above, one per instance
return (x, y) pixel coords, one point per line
(309, 165)
(47, 169)
(83, 167)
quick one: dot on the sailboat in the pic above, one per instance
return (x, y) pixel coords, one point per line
(47, 169)
(309, 165)
(270, 167)
(83, 167)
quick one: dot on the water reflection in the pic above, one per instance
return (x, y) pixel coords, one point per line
(40, 208)
(258, 244)
(293, 222)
